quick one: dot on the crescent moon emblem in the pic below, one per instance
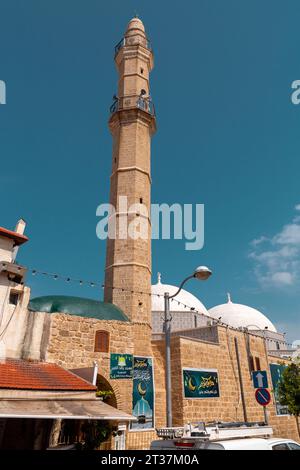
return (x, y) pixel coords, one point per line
(141, 391)
(191, 385)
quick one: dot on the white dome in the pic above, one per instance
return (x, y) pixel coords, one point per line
(238, 315)
(184, 297)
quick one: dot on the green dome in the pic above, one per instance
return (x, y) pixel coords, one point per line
(77, 306)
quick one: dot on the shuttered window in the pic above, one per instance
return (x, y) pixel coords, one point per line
(257, 362)
(101, 341)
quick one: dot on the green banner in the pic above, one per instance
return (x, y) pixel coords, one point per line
(200, 383)
(121, 366)
(143, 393)
(276, 374)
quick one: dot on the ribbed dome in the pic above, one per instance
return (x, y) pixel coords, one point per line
(184, 297)
(238, 315)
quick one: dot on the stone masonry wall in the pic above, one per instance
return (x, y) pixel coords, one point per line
(71, 345)
(192, 353)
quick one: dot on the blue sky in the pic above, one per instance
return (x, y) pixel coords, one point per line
(228, 136)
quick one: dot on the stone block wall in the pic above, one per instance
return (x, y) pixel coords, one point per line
(193, 353)
(71, 344)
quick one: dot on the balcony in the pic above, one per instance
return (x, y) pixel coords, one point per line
(135, 101)
(14, 272)
(133, 41)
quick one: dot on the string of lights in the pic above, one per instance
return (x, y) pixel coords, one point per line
(83, 282)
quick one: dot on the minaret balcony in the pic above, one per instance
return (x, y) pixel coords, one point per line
(129, 102)
(133, 41)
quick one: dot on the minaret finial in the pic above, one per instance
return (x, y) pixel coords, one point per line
(228, 297)
(136, 15)
(158, 278)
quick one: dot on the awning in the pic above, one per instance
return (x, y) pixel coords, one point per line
(61, 409)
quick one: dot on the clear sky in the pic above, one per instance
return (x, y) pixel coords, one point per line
(228, 136)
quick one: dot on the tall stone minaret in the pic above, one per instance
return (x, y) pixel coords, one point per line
(132, 123)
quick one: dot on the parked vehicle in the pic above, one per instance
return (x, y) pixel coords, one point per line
(221, 436)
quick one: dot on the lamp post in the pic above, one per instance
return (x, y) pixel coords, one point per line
(201, 273)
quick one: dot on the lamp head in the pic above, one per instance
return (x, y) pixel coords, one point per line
(202, 273)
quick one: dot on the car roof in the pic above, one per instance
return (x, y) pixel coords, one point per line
(251, 443)
(257, 443)
(277, 440)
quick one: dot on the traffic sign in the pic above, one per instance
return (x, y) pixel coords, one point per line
(262, 396)
(260, 379)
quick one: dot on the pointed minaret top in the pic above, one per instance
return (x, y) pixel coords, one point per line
(229, 298)
(134, 24)
(158, 278)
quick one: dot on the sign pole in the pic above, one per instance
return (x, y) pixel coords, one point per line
(266, 415)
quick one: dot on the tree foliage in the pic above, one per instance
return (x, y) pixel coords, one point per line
(95, 432)
(289, 389)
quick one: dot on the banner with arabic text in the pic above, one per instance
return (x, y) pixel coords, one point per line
(143, 393)
(201, 383)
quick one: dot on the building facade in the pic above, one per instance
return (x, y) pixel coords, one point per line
(119, 343)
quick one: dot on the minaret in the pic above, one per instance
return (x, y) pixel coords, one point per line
(132, 123)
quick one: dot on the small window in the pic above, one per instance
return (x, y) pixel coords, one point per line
(257, 363)
(141, 200)
(277, 345)
(195, 321)
(142, 70)
(13, 298)
(101, 341)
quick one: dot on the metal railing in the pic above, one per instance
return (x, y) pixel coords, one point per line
(133, 41)
(140, 102)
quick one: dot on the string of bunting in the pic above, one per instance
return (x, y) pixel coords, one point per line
(82, 282)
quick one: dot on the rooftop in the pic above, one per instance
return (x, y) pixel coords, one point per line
(18, 238)
(78, 306)
(34, 375)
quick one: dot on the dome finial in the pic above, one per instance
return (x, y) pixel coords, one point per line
(228, 297)
(158, 278)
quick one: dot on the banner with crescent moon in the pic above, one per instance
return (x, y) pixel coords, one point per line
(143, 393)
(200, 383)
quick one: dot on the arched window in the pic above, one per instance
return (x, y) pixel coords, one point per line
(102, 341)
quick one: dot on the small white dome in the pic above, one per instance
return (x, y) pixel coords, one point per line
(184, 297)
(238, 315)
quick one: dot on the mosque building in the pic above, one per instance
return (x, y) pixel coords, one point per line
(116, 347)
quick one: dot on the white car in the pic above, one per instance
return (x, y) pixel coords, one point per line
(259, 444)
(230, 444)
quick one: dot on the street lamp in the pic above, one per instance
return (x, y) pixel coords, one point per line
(201, 273)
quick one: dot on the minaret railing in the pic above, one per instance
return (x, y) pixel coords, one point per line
(126, 102)
(133, 41)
